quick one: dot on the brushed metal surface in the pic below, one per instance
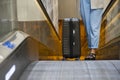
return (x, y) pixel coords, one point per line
(72, 70)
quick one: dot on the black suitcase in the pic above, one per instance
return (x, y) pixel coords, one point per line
(71, 38)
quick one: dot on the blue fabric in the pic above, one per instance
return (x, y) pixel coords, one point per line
(92, 21)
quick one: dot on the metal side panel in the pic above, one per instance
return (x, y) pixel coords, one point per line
(10, 44)
(16, 55)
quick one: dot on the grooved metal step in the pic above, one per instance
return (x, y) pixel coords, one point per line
(72, 70)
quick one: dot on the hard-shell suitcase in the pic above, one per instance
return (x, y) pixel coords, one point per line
(71, 38)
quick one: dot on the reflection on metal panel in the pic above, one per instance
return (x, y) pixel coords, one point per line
(110, 33)
(113, 19)
(10, 72)
(28, 10)
(51, 7)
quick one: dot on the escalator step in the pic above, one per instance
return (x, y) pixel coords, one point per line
(72, 70)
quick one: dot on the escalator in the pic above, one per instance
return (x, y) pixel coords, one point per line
(20, 62)
(20, 58)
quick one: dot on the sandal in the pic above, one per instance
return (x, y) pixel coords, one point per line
(91, 56)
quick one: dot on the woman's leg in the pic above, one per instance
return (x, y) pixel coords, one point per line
(92, 21)
(85, 14)
(95, 18)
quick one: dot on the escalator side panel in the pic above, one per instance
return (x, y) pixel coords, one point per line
(20, 59)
